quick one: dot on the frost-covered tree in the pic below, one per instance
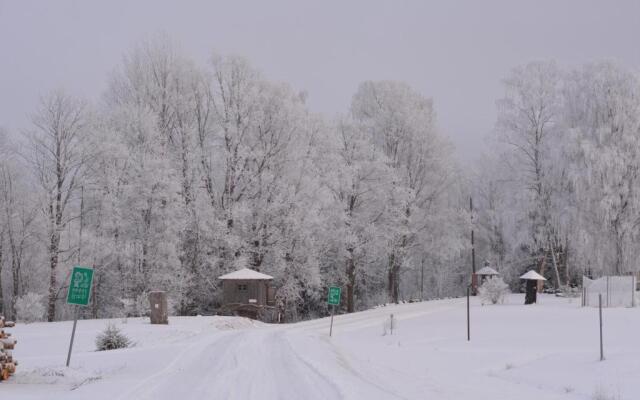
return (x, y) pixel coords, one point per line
(358, 178)
(57, 158)
(527, 122)
(602, 117)
(402, 125)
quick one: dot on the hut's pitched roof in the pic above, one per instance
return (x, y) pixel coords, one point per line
(533, 275)
(487, 271)
(246, 274)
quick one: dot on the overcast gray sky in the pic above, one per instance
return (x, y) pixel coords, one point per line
(453, 51)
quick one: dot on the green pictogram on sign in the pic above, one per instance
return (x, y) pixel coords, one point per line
(334, 296)
(80, 286)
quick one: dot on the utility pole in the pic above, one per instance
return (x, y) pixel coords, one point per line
(81, 224)
(473, 251)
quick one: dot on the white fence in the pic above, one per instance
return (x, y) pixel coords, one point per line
(616, 291)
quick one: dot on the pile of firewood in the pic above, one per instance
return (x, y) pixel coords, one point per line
(7, 343)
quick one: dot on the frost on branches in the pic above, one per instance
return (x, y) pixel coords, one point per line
(185, 171)
(493, 290)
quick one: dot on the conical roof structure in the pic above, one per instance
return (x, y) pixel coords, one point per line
(534, 276)
(487, 271)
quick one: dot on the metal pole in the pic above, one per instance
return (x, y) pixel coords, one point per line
(422, 280)
(331, 326)
(391, 324)
(73, 333)
(468, 316)
(473, 249)
(600, 309)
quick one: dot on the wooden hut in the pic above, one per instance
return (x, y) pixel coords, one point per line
(248, 293)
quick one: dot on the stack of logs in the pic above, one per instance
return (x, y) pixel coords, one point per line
(7, 343)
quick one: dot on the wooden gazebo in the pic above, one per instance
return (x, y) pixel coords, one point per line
(485, 273)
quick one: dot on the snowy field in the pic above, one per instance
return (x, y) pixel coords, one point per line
(541, 352)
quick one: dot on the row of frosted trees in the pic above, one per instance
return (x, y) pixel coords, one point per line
(183, 172)
(559, 191)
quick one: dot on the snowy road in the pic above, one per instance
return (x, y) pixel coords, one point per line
(239, 365)
(548, 351)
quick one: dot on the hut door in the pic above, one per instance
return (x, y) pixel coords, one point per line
(242, 292)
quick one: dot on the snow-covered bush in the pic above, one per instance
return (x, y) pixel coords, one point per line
(493, 290)
(30, 307)
(142, 307)
(112, 338)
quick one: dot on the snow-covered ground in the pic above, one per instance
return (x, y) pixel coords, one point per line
(542, 352)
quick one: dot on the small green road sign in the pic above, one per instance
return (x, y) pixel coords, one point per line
(334, 296)
(80, 286)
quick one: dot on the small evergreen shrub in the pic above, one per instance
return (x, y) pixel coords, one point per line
(493, 290)
(112, 338)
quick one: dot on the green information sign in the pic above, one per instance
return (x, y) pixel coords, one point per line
(80, 286)
(334, 296)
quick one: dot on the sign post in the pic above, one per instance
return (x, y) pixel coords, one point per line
(468, 316)
(333, 300)
(79, 294)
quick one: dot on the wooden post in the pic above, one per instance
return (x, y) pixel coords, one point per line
(468, 316)
(391, 324)
(600, 310)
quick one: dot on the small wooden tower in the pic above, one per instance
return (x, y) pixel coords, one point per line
(532, 278)
(248, 293)
(485, 273)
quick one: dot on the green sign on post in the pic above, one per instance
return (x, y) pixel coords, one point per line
(333, 300)
(80, 286)
(78, 294)
(334, 296)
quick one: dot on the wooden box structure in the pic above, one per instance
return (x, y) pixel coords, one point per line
(159, 312)
(248, 293)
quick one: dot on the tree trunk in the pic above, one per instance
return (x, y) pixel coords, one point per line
(543, 263)
(393, 284)
(53, 284)
(555, 266)
(619, 256)
(351, 280)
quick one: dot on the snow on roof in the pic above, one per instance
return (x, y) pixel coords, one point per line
(487, 271)
(246, 273)
(533, 275)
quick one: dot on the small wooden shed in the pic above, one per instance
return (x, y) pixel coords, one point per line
(248, 293)
(485, 273)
